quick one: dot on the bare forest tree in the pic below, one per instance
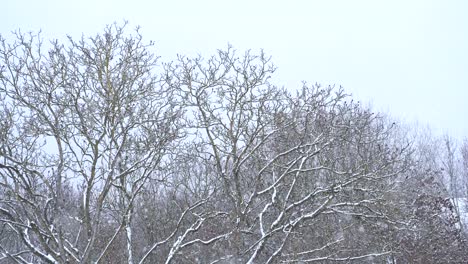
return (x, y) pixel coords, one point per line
(464, 165)
(85, 127)
(108, 156)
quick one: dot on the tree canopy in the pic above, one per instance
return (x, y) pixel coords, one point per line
(108, 155)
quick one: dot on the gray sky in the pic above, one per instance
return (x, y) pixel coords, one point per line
(409, 58)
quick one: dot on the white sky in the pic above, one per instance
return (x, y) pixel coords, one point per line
(408, 57)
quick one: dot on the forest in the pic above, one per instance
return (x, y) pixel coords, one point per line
(110, 155)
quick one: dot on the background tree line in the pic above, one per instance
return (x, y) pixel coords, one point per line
(108, 155)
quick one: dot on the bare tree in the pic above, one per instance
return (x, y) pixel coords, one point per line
(92, 117)
(286, 163)
(464, 164)
(106, 157)
(449, 164)
(433, 232)
(463, 207)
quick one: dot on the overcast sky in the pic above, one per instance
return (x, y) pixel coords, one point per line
(407, 57)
